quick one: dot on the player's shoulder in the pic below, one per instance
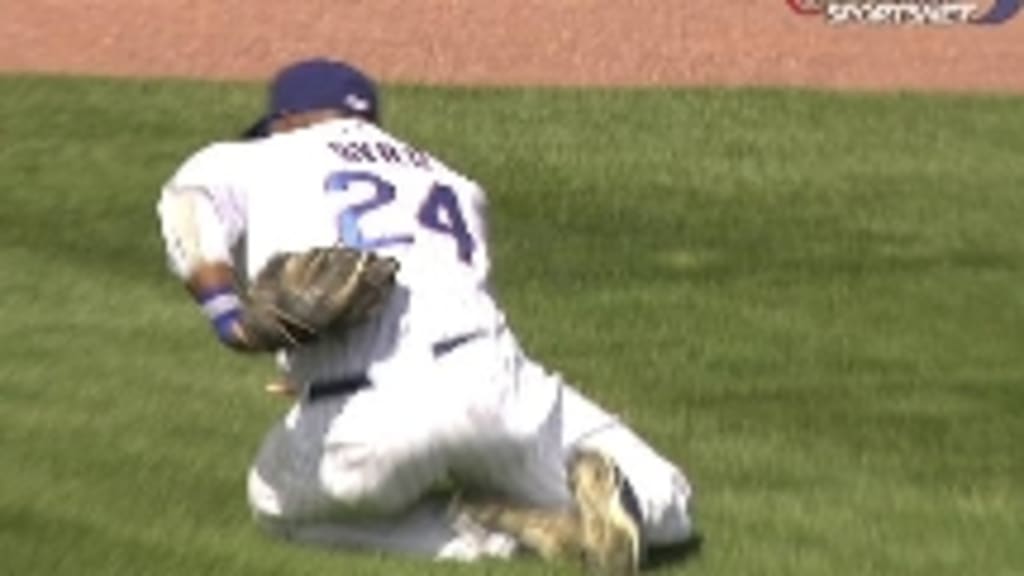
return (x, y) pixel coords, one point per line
(437, 165)
(218, 161)
(215, 155)
(362, 140)
(454, 178)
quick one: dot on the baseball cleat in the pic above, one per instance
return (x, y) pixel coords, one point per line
(551, 534)
(612, 540)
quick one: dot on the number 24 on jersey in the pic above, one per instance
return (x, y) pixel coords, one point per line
(439, 212)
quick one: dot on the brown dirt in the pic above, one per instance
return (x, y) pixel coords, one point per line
(553, 42)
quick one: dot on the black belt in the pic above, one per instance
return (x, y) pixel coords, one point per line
(449, 344)
(321, 389)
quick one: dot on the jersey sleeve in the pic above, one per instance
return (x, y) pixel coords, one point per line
(202, 210)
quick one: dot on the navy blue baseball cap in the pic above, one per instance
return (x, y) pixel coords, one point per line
(318, 84)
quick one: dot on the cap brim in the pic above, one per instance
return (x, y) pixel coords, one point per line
(261, 129)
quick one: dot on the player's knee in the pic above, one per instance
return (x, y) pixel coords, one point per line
(363, 489)
(265, 505)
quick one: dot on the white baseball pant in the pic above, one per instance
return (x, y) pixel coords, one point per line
(363, 470)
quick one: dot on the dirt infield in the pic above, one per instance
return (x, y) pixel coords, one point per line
(550, 42)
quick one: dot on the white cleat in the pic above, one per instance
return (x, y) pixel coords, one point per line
(612, 540)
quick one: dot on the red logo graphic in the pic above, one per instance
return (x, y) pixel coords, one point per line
(807, 7)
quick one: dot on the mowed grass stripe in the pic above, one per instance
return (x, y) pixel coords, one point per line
(810, 300)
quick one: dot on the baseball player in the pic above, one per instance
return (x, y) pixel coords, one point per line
(362, 262)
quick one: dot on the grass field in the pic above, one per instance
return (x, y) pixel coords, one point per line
(813, 302)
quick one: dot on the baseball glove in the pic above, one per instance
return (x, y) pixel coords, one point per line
(301, 296)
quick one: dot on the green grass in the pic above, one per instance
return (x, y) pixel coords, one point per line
(812, 301)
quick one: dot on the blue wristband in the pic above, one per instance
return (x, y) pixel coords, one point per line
(223, 308)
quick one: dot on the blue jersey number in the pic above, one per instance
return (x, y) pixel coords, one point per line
(348, 220)
(439, 213)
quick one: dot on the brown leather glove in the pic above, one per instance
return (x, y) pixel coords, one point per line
(299, 296)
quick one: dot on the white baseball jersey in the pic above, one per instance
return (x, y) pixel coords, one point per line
(452, 397)
(349, 182)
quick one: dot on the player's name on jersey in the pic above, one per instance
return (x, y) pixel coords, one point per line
(379, 151)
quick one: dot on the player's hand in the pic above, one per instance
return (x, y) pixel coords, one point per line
(283, 388)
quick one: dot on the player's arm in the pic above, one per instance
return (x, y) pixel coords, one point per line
(212, 287)
(238, 322)
(203, 214)
(198, 239)
(295, 299)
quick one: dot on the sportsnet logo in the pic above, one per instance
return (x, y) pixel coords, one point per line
(904, 12)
